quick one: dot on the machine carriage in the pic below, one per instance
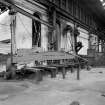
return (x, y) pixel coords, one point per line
(48, 59)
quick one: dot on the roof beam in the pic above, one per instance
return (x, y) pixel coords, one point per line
(20, 10)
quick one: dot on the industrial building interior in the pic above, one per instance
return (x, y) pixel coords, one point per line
(52, 52)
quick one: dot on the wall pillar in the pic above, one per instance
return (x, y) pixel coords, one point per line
(98, 44)
(12, 13)
(54, 31)
(89, 41)
(102, 45)
(58, 34)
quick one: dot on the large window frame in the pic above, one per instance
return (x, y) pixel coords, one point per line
(36, 31)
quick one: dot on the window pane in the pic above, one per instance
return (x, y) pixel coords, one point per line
(64, 3)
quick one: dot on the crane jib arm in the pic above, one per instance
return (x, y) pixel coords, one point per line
(20, 10)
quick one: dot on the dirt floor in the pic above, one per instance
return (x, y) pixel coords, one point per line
(89, 90)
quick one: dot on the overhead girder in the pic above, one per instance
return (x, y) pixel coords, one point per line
(8, 3)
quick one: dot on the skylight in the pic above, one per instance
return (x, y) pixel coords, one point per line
(103, 3)
(101, 0)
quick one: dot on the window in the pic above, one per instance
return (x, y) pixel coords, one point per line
(67, 39)
(64, 4)
(76, 11)
(86, 19)
(70, 6)
(83, 37)
(51, 0)
(79, 12)
(82, 15)
(36, 31)
(57, 2)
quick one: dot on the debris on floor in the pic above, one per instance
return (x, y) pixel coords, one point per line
(89, 90)
(75, 103)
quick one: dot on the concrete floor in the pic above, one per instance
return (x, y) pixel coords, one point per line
(89, 90)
